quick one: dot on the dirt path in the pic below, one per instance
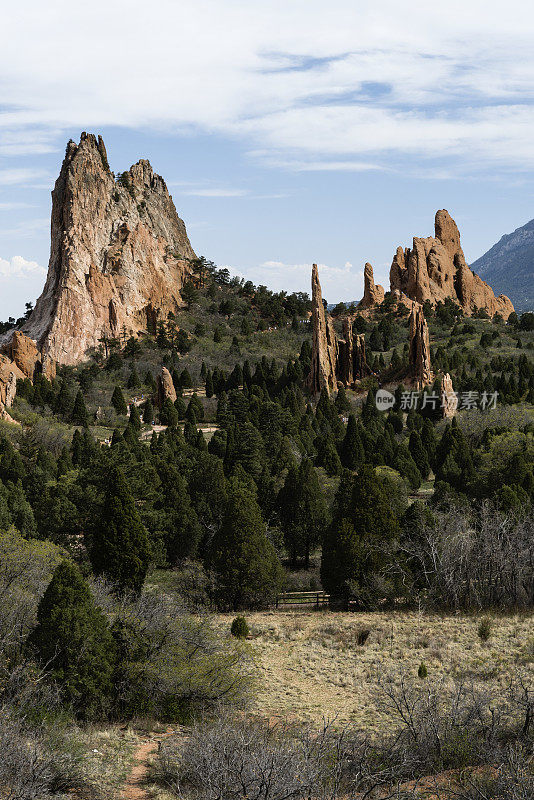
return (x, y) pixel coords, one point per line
(134, 788)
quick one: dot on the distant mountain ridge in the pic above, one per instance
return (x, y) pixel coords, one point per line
(509, 266)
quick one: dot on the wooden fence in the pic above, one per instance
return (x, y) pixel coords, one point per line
(303, 599)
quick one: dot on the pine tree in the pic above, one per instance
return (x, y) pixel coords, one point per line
(302, 510)
(209, 384)
(342, 402)
(358, 545)
(352, 454)
(248, 571)
(73, 640)
(180, 407)
(119, 548)
(168, 414)
(148, 412)
(196, 405)
(79, 412)
(135, 418)
(118, 402)
(419, 454)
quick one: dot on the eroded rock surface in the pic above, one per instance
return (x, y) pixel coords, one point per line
(324, 342)
(165, 388)
(119, 255)
(373, 293)
(420, 366)
(435, 269)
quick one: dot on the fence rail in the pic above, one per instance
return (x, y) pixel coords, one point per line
(314, 599)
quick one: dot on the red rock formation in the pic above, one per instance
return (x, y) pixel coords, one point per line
(23, 351)
(449, 397)
(373, 293)
(434, 269)
(119, 255)
(420, 367)
(9, 374)
(345, 368)
(324, 343)
(165, 388)
(361, 367)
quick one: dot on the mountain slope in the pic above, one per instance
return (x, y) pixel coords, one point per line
(509, 266)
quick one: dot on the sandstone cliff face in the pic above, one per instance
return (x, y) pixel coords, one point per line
(373, 293)
(119, 254)
(420, 367)
(435, 269)
(324, 343)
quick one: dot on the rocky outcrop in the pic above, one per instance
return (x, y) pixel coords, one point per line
(9, 374)
(435, 269)
(165, 388)
(334, 360)
(361, 367)
(373, 293)
(419, 352)
(23, 351)
(449, 399)
(324, 343)
(118, 258)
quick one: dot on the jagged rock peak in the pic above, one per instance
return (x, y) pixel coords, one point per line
(324, 342)
(165, 388)
(435, 269)
(118, 258)
(373, 293)
(420, 366)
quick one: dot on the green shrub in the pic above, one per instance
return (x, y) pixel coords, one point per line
(239, 628)
(484, 629)
(422, 672)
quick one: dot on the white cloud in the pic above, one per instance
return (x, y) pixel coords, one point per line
(24, 176)
(332, 83)
(19, 267)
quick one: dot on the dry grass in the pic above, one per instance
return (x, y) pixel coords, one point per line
(311, 665)
(108, 756)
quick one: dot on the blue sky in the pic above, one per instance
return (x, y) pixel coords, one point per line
(288, 132)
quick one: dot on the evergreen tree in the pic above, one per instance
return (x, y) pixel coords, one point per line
(209, 384)
(342, 402)
(302, 510)
(79, 412)
(148, 412)
(248, 571)
(180, 407)
(119, 547)
(419, 454)
(196, 405)
(352, 453)
(73, 640)
(118, 402)
(358, 547)
(168, 414)
(134, 381)
(135, 417)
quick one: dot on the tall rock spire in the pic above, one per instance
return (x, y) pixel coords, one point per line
(373, 293)
(119, 254)
(324, 343)
(420, 366)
